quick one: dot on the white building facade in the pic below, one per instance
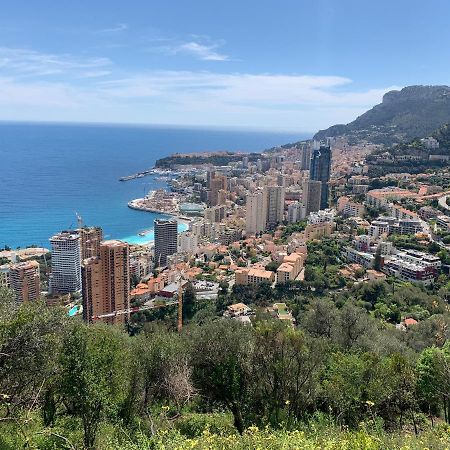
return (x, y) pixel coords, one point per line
(66, 263)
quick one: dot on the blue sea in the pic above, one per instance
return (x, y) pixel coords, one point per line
(48, 172)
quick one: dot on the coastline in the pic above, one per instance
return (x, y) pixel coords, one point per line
(146, 237)
(149, 237)
(39, 210)
(182, 219)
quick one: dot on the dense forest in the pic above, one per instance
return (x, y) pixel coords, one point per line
(343, 379)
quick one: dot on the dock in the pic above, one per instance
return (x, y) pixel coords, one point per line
(136, 175)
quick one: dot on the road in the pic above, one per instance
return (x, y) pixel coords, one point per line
(443, 202)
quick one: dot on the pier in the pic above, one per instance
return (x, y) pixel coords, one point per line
(136, 175)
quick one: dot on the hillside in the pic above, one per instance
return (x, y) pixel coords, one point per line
(414, 156)
(194, 159)
(413, 112)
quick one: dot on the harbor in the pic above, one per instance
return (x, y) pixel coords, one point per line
(158, 201)
(162, 175)
(136, 175)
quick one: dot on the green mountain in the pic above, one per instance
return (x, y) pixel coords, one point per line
(413, 112)
(414, 156)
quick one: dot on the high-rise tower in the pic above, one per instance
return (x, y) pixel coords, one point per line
(25, 281)
(90, 239)
(320, 170)
(106, 282)
(274, 200)
(166, 240)
(312, 190)
(66, 262)
(256, 215)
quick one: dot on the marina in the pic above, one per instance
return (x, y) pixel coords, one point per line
(136, 175)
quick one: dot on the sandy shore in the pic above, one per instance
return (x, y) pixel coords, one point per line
(24, 253)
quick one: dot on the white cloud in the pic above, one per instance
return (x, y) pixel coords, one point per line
(20, 61)
(305, 102)
(54, 95)
(270, 91)
(115, 29)
(95, 74)
(274, 101)
(201, 47)
(201, 51)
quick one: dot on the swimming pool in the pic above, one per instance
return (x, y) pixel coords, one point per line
(73, 310)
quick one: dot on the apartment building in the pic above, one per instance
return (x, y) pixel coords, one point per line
(25, 281)
(246, 276)
(65, 276)
(106, 283)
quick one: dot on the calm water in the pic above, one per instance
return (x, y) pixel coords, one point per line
(49, 171)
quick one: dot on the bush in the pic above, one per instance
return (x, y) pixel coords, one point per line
(193, 425)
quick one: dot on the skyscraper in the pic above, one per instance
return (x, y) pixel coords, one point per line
(312, 195)
(255, 218)
(166, 239)
(90, 239)
(25, 281)
(274, 200)
(320, 170)
(217, 183)
(106, 282)
(305, 157)
(66, 263)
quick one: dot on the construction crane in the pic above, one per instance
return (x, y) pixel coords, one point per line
(180, 304)
(79, 220)
(135, 309)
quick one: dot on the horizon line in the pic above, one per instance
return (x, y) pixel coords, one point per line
(251, 129)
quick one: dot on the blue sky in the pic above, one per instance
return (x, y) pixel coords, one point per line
(297, 65)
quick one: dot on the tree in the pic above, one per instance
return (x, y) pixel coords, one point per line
(353, 324)
(30, 342)
(221, 356)
(343, 385)
(395, 390)
(264, 293)
(378, 259)
(134, 280)
(94, 375)
(433, 370)
(165, 368)
(286, 369)
(272, 266)
(189, 299)
(223, 288)
(320, 318)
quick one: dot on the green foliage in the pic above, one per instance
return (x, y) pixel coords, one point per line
(218, 159)
(93, 381)
(407, 241)
(415, 111)
(296, 227)
(342, 379)
(30, 340)
(433, 370)
(261, 294)
(194, 425)
(189, 299)
(272, 266)
(221, 358)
